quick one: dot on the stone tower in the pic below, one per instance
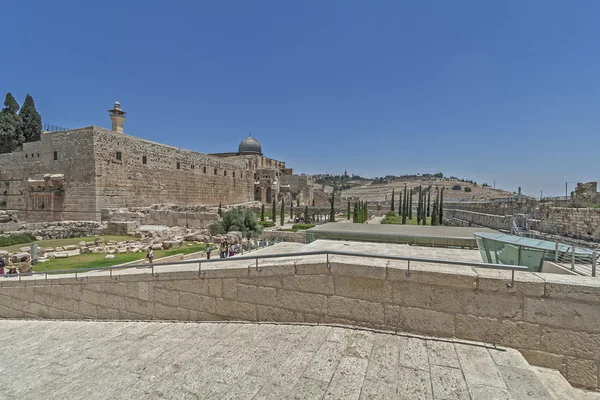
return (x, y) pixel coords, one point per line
(117, 116)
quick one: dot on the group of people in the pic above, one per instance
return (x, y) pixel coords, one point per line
(227, 250)
(12, 269)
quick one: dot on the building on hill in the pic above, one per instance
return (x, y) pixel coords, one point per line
(74, 174)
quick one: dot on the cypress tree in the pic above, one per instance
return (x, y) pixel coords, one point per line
(262, 212)
(419, 207)
(355, 213)
(348, 216)
(31, 122)
(428, 201)
(392, 208)
(292, 210)
(423, 210)
(434, 216)
(274, 211)
(282, 213)
(332, 212)
(441, 213)
(405, 204)
(220, 211)
(306, 214)
(400, 204)
(366, 212)
(10, 126)
(410, 195)
(313, 202)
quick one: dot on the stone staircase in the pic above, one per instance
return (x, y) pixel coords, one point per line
(558, 388)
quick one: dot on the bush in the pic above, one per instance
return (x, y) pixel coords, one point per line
(2, 203)
(391, 214)
(456, 187)
(237, 219)
(266, 224)
(9, 240)
(303, 226)
(468, 189)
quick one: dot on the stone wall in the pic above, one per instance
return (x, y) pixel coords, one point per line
(170, 175)
(578, 223)
(469, 218)
(74, 159)
(296, 237)
(60, 230)
(553, 320)
(163, 214)
(494, 207)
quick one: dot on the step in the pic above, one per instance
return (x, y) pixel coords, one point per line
(560, 388)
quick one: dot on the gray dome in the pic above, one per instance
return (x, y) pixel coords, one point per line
(250, 145)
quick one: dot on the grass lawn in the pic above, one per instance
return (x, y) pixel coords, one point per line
(91, 260)
(398, 220)
(66, 242)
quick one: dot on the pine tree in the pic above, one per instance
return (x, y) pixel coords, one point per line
(31, 122)
(348, 211)
(282, 213)
(392, 209)
(441, 213)
(10, 126)
(332, 212)
(274, 211)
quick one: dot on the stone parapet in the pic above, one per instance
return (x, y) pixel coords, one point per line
(551, 319)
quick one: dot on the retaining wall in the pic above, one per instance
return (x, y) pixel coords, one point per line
(553, 320)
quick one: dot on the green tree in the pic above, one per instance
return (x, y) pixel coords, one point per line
(262, 213)
(348, 212)
(237, 219)
(400, 204)
(306, 214)
(441, 212)
(282, 213)
(332, 211)
(366, 212)
(428, 201)
(434, 211)
(292, 210)
(31, 122)
(274, 211)
(410, 199)
(355, 213)
(220, 210)
(10, 126)
(392, 208)
(419, 207)
(405, 208)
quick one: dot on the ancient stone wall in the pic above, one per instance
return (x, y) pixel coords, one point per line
(469, 218)
(554, 320)
(168, 215)
(73, 151)
(494, 207)
(169, 174)
(578, 223)
(56, 230)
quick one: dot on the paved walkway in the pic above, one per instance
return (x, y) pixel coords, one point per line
(139, 360)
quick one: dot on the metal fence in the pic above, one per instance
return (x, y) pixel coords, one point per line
(578, 259)
(329, 255)
(54, 128)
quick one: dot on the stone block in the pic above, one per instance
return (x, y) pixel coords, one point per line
(236, 309)
(526, 283)
(572, 287)
(322, 284)
(582, 372)
(166, 296)
(436, 274)
(570, 343)
(493, 304)
(544, 359)
(312, 269)
(363, 288)
(355, 309)
(170, 313)
(359, 271)
(428, 296)
(197, 302)
(86, 310)
(274, 270)
(204, 316)
(427, 321)
(230, 288)
(113, 301)
(138, 290)
(139, 307)
(257, 294)
(215, 287)
(307, 302)
(108, 313)
(517, 334)
(272, 281)
(562, 313)
(392, 317)
(268, 313)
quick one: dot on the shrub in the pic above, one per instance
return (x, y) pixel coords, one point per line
(391, 214)
(9, 240)
(468, 189)
(266, 224)
(456, 187)
(303, 226)
(237, 219)
(2, 203)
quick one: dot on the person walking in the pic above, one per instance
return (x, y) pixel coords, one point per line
(222, 250)
(208, 250)
(150, 255)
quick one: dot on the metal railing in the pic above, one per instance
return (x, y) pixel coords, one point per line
(578, 259)
(328, 253)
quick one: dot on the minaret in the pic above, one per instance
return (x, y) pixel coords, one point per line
(117, 116)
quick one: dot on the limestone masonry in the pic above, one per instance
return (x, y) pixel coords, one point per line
(74, 174)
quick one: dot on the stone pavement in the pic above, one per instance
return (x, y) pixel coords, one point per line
(135, 360)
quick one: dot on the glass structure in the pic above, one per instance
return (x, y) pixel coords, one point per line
(497, 248)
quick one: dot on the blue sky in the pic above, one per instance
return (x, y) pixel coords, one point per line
(504, 91)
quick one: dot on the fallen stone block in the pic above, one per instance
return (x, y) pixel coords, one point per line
(110, 256)
(61, 255)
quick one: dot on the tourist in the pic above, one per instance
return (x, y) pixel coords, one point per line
(231, 250)
(222, 250)
(25, 267)
(150, 255)
(208, 250)
(2, 265)
(12, 270)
